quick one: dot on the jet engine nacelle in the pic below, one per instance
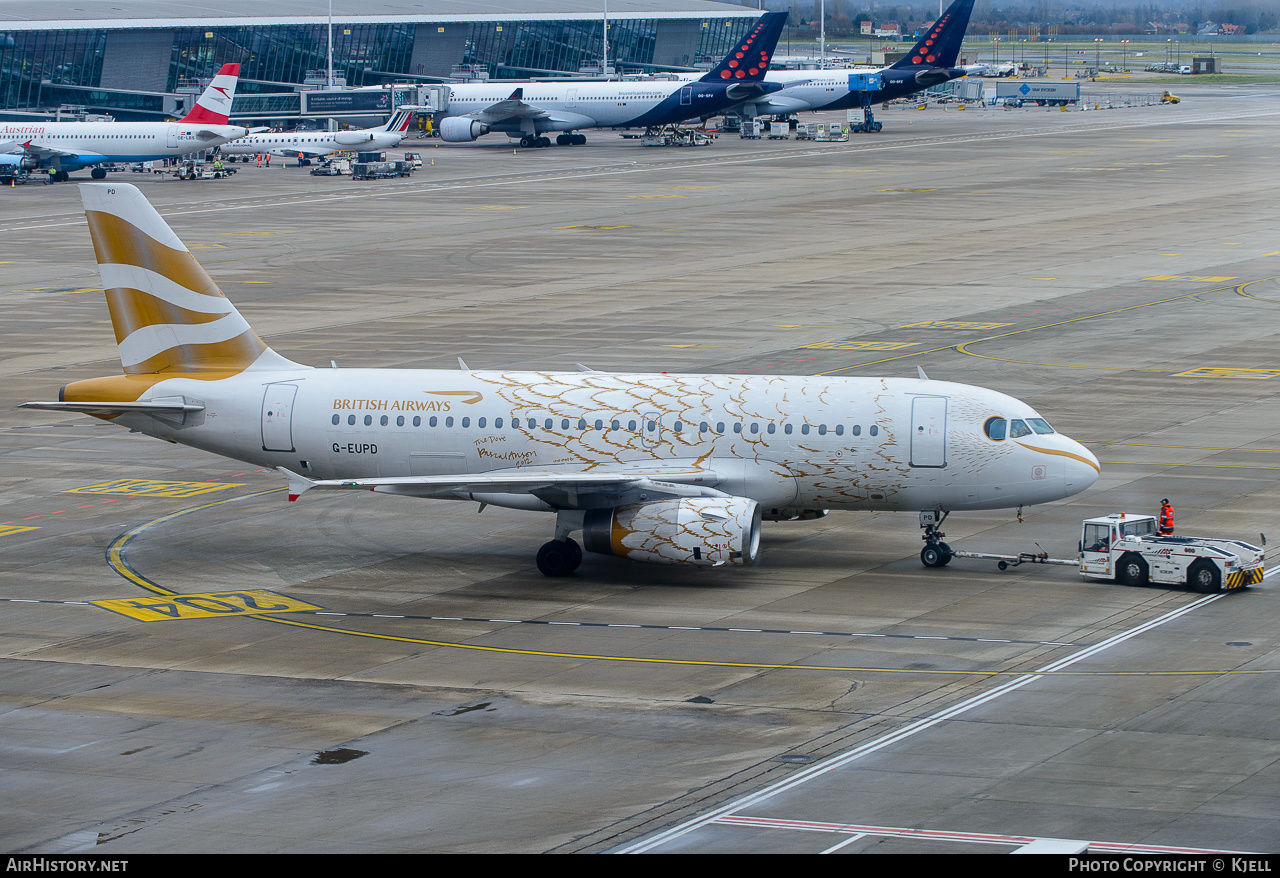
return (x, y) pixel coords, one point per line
(24, 162)
(707, 531)
(352, 138)
(458, 129)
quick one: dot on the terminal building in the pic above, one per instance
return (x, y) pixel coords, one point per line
(146, 60)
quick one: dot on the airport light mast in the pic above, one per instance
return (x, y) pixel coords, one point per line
(329, 68)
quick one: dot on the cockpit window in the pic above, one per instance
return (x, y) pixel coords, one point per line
(1040, 425)
(1018, 429)
(994, 428)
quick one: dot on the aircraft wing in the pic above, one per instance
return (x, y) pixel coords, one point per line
(45, 153)
(176, 405)
(574, 489)
(513, 107)
(310, 152)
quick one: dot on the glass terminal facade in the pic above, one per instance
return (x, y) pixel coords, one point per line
(47, 68)
(30, 60)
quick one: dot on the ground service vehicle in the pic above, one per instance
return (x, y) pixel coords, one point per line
(1045, 94)
(1168, 98)
(1130, 549)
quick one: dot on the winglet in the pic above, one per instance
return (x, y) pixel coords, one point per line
(297, 484)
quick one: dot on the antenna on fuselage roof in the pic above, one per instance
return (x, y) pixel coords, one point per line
(463, 366)
(920, 372)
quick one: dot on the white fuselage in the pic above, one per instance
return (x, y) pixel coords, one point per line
(89, 143)
(574, 104)
(784, 441)
(805, 90)
(314, 143)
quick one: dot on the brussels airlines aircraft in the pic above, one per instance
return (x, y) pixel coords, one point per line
(69, 146)
(674, 469)
(314, 144)
(568, 106)
(930, 62)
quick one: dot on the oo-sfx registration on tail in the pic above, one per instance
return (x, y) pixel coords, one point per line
(670, 469)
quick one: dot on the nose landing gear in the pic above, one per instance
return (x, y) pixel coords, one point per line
(935, 553)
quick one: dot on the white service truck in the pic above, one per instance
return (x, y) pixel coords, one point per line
(1019, 92)
(1130, 549)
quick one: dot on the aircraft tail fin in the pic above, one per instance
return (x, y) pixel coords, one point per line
(214, 106)
(749, 60)
(940, 46)
(169, 316)
(399, 121)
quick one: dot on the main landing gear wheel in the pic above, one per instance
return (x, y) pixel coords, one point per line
(98, 173)
(559, 557)
(527, 142)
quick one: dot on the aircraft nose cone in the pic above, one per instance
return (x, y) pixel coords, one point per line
(1082, 467)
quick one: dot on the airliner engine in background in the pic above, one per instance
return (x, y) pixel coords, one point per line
(70, 146)
(316, 144)
(675, 469)
(932, 61)
(567, 106)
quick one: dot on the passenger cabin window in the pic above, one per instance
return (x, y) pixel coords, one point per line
(995, 428)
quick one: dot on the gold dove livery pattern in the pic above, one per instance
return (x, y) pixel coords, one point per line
(662, 468)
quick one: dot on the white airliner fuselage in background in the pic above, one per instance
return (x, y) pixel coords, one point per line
(533, 109)
(930, 62)
(654, 467)
(315, 144)
(69, 146)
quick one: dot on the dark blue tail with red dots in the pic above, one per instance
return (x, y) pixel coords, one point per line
(940, 45)
(749, 60)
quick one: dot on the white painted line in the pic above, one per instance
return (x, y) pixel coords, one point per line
(910, 730)
(861, 831)
(850, 840)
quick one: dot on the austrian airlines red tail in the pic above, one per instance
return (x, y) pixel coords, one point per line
(214, 106)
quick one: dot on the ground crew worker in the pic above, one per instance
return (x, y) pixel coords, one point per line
(1166, 517)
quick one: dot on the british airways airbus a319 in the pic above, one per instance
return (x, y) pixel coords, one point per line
(672, 469)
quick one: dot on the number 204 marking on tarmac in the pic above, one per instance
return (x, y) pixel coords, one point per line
(204, 606)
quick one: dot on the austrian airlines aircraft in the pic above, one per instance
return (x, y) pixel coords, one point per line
(70, 146)
(314, 144)
(674, 469)
(567, 106)
(930, 62)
